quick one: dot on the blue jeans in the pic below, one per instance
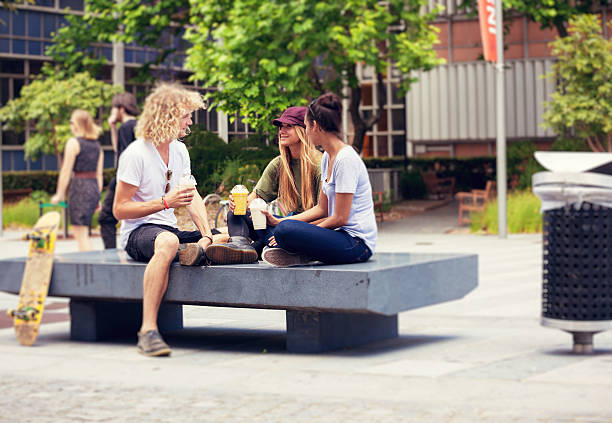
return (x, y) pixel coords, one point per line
(326, 245)
(242, 225)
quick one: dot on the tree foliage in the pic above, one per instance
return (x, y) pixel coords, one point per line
(46, 105)
(263, 56)
(583, 72)
(266, 56)
(158, 24)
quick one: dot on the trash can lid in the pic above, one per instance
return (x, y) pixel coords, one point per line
(570, 161)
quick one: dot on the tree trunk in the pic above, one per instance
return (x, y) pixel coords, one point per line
(360, 124)
(560, 27)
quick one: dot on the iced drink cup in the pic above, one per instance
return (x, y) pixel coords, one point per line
(240, 194)
(187, 181)
(259, 219)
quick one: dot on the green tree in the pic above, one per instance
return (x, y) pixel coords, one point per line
(77, 46)
(46, 105)
(583, 72)
(266, 56)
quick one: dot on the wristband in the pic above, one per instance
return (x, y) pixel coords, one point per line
(164, 202)
(209, 237)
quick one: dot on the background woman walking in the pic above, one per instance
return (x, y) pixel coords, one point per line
(81, 175)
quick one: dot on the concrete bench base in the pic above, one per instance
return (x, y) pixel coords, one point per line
(309, 332)
(328, 307)
(99, 320)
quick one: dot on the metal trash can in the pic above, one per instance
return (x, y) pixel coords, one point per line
(577, 247)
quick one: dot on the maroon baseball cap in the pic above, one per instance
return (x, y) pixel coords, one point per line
(292, 116)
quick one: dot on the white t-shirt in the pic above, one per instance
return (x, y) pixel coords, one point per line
(141, 165)
(350, 176)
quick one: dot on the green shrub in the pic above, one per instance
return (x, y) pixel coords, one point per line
(569, 144)
(232, 172)
(210, 155)
(412, 185)
(521, 164)
(523, 215)
(25, 212)
(386, 162)
(40, 180)
(469, 173)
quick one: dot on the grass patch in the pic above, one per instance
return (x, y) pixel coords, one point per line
(25, 213)
(523, 215)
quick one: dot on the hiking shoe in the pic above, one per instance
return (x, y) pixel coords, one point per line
(190, 254)
(237, 250)
(151, 344)
(283, 258)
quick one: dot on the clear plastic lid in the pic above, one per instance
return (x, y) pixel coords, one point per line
(239, 189)
(258, 204)
(187, 180)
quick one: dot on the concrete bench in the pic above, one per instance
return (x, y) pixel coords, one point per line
(328, 307)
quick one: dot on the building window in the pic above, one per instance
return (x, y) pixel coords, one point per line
(388, 136)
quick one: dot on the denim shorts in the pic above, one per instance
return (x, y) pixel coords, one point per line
(141, 242)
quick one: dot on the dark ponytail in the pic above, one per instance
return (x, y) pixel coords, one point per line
(327, 112)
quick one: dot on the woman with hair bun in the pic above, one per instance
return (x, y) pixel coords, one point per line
(81, 175)
(341, 228)
(292, 178)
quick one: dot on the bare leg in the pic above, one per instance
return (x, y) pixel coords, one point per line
(81, 233)
(155, 279)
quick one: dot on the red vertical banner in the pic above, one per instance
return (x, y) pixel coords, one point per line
(488, 29)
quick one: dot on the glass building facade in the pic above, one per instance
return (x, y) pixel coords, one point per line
(27, 31)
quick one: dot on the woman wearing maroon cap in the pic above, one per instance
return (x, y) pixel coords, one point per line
(341, 227)
(293, 178)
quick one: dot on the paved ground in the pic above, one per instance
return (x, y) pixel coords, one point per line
(481, 359)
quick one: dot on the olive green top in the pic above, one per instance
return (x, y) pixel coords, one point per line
(267, 186)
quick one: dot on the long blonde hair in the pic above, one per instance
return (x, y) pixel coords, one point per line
(160, 120)
(84, 125)
(310, 158)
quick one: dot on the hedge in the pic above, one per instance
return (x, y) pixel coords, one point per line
(39, 180)
(207, 158)
(209, 155)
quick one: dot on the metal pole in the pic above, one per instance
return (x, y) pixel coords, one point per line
(1, 192)
(118, 72)
(501, 122)
(118, 63)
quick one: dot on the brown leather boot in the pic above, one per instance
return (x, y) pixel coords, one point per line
(238, 250)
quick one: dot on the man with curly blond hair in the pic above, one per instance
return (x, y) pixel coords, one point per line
(147, 192)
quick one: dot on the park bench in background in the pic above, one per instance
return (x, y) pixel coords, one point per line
(437, 187)
(327, 307)
(474, 201)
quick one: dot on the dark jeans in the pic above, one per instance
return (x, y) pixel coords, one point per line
(106, 219)
(141, 243)
(326, 245)
(242, 225)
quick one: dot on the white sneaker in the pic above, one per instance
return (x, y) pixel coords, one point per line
(283, 258)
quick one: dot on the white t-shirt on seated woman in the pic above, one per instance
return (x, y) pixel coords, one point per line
(141, 165)
(350, 176)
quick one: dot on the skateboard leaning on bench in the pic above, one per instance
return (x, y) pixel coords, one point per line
(36, 278)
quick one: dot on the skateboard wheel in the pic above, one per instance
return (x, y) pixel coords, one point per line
(30, 314)
(10, 313)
